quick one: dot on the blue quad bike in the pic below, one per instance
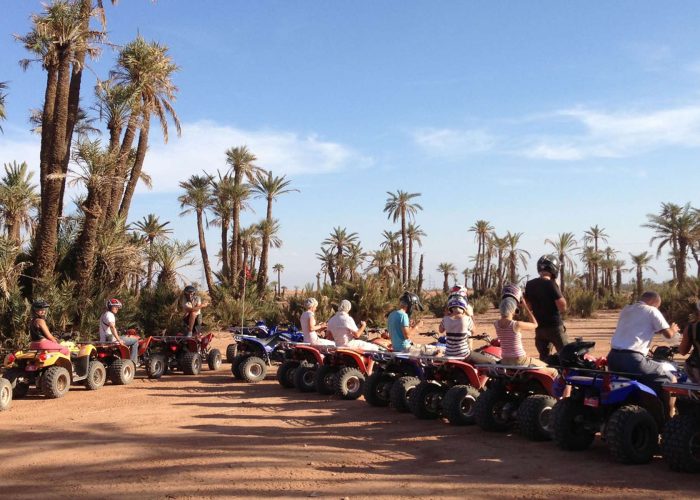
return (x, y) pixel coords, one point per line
(259, 330)
(628, 413)
(253, 355)
(681, 437)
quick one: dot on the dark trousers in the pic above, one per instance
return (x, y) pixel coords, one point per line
(548, 336)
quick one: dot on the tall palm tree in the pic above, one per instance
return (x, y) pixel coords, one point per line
(327, 258)
(269, 229)
(641, 263)
(171, 257)
(619, 267)
(515, 255)
(222, 206)
(590, 259)
(355, 258)
(500, 246)
(340, 240)
(278, 268)
(415, 234)
(564, 245)
(381, 260)
(399, 207)
(18, 199)
(446, 269)
(392, 242)
(674, 225)
(3, 96)
(593, 235)
(481, 230)
(269, 188)
(154, 231)
(198, 198)
(249, 238)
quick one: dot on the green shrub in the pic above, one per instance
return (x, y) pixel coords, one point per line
(615, 301)
(482, 304)
(582, 303)
(436, 304)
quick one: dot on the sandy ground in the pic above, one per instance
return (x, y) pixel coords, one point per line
(210, 436)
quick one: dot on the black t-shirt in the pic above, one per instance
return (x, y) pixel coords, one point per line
(541, 294)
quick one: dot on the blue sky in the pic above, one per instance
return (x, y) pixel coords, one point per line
(541, 117)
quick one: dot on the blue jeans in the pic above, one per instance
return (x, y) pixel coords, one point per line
(133, 344)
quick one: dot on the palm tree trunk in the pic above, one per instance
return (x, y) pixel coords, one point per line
(234, 241)
(410, 260)
(138, 165)
(149, 269)
(224, 249)
(445, 284)
(563, 273)
(639, 281)
(205, 254)
(403, 246)
(122, 167)
(46, 126)
(86, 244)
(419, 286)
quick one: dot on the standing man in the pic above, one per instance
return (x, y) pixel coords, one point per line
(108, 328)
(630, 344)
(399, 322)
(192, 306)
(547, 303)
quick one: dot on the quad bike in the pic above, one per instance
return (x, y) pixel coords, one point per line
(627, 412)
(161, 354)
(343, 372)
(53, 371)
(300, 365)
(117, 360)
(253, 356)
(681, 436)
(260, 331)
(452, 386)
(5, 394)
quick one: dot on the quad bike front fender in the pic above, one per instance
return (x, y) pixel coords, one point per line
(468, 371)
(626, 391)
(308, 353)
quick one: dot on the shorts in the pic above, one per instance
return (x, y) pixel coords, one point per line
(643, 369)
(545, 336)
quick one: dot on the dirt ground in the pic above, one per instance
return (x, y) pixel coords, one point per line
(211, 436)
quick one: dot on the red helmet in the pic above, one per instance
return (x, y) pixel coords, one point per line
(114, 303)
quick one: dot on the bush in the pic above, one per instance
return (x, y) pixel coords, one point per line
(436, 304)
(582, 303)
(482, 304)
(678, 304)
(615, 301)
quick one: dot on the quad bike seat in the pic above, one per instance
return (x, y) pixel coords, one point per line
(47, 345)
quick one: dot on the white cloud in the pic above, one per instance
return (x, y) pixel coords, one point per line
(454, 142)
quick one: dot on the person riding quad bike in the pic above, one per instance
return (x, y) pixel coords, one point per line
(39, 333)
(399, 322)
(192, 306)
(108, 329)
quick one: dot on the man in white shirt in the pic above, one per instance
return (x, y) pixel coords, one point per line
(108, 328)
(638, 324)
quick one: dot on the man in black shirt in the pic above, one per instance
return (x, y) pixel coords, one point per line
(547, 304)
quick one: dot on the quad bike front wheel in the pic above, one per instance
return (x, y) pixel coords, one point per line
(231, 353)
(490, 410)
(304, 377)
(121, 371)
(426, 401)
(253, 369)
(681, 443)
(236, 365)
(401, 392)
(55, 382)
(568, 425)
(378, 388)
(458, 404)
(349, 383)
(535, 417)
(5, 394)
(323, 380)
(285, 373)
(20, 388)
(632, 435)
(214, 359)
(155, 368)
(96, 376)
(191, 363)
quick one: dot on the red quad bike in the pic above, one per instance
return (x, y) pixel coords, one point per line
(343, 372)
(172, 352)
(117, 360)
(517, 394)
(300, 366)
(681, 436)
(452, 386)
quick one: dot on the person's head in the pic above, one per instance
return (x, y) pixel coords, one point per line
(39, 308)
(507, 307)
(457, 304)
(344, 306)
(310, 304)
(113, 305)
(548, 266)
(189, 291)
(650, 298)
(410, 301)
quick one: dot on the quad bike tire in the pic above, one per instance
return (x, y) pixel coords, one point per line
(214, 359)
(568, 431)
(681, 443)
(458, 404)
(323, 380)
(378, 388)
(156, 366)
(304, 378)
(488, 410)
(349, 382)
(285, 373)
(253, 369)
(55, 382)
(96, 376)
(191, 363)
(426, 401)
(5, 394)
(632, 435)
(231, 352)
(236, 365)
(19, 389)
(121, 372)
(535, 417)
(401, 392)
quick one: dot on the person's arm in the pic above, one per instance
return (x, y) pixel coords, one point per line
(662, 325)
(669, 332)
(532, 324)
(45, 330)
(561, 304)
(360, 331)
(684, 348)
(441, 328)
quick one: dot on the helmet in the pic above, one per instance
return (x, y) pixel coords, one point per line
(574, 354)
(510, 290)
(189, 289)
(458, 290)
(39, 304)
(114, 303)
(410, 300)
(457, 301)
(548, 263)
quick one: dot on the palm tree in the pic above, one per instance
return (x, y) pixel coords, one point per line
(3, 96)
(249, 238)
(269, 188)
(153, 231)
(595, 234)
(171, 257)
(515, 255)
(222, 207)
(399, 206)
(414, 233)
(18, 198)
(564, 245)
(278, 268)
(382, 261)
(268, 230)
(198, 198)
(481, 230)
(619, 265)
(327, 258)
(590, 259)
(355, 257)
(641, 263)
(340, 240)
(675, 226)
(392, 242)
(446, 269)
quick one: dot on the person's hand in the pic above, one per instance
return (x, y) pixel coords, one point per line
(363, 323)
(675, 328)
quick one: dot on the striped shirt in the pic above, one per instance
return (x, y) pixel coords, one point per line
(458, 330)
(511, 340)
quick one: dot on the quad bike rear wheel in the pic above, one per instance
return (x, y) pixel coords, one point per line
(535, 417)
(155, 368)
(253, 369)
(285, 373)
(426, 401)
(378, 388)
(489, 410)
(20, 388)
(214, 359)
(568, 425)
(96, 376)
(5, 394)
(323, 380)
(304, 377)
(231, 352)
(681, 443)
(349, 383)
(458, 404)
(55, 382)
(401, 393)
(122, 371)
(191, 363)
(632, 435)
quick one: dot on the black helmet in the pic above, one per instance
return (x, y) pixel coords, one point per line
(548, 263)
(410, 300)
(190, 289)
(39, 304)
(572, 354)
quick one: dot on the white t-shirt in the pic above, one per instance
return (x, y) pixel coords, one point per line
(309, 336)
(636, 327)
(107, 319)
(341, 325)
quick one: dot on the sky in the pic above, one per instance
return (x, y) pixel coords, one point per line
(540, 117)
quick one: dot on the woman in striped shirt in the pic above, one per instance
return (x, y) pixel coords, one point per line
(510, 333)
(458, 326)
